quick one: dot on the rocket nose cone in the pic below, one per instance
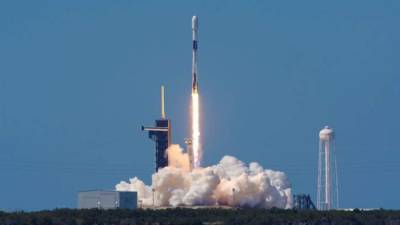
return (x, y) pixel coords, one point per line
(194, 23)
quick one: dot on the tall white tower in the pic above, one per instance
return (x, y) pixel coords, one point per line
(327, 171)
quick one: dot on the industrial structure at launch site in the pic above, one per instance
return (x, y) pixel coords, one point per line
(161, 134)
(327, 171)
(100, 199)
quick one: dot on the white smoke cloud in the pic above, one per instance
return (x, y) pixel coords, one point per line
(177, 158)
(230, 182)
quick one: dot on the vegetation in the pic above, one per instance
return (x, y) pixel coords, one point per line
(206, 216)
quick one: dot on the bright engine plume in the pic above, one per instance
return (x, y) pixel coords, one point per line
(196, 130)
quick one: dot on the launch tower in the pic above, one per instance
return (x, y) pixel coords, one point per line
(161, 135)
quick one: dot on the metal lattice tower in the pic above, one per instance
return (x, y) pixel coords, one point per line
(327, 171)
(303, 202)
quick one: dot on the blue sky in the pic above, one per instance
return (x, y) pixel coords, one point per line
(78, 78)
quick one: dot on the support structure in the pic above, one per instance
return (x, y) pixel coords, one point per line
(188, 142)
(303, 202)
(161, 135)
(327, 173)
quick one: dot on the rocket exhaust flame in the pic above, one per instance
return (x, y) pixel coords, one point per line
(196, 148)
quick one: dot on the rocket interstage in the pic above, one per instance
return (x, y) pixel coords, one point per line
(195, 140)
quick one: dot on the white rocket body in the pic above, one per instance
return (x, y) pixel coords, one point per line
(195, 27)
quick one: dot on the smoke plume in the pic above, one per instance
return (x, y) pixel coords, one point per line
(230, 182)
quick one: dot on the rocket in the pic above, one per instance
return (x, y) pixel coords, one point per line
(195, 28)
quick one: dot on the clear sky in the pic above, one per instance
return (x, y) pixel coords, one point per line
(78, 78)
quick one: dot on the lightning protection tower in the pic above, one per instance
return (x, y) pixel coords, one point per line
(327, 198)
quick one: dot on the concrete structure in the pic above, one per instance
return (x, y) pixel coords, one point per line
(161, 135)
(107, 200)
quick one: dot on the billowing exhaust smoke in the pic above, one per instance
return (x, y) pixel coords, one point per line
(231, 182)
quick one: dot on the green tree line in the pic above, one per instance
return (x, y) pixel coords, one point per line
(204, 216)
